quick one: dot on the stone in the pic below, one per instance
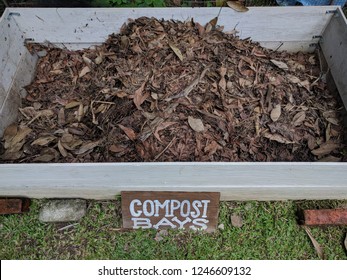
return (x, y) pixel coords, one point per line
(221, 227)
(65, 210)
(236, 220)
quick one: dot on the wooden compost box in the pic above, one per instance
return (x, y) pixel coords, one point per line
(284, 28)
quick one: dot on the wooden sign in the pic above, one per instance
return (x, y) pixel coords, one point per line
(176, 210)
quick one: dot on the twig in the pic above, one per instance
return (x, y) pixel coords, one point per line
(5, 3)
(163, 151)
(68, 226)
(209, 115)
(316, 245)
(189, 88)
(277, 48)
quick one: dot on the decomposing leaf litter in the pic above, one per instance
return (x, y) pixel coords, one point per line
(175, 91)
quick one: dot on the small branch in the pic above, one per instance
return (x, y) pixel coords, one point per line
(189, 88)
(68, 226)
(5, 3)
(163, 151)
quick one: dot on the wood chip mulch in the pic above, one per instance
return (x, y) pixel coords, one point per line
(175, 91)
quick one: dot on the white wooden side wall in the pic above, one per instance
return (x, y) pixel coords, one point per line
(292, 28)
(334, 47)
(17, 68)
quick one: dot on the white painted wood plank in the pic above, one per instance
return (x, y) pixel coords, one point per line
(236, 181)
(23, 76)
(334, 47)
(11, 48)
(64, 25)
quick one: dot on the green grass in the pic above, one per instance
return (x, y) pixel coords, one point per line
(270, 231)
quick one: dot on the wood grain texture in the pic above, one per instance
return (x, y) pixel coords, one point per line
(334, 47)
(23, 76)
(176, 210)
(11, 48)
(235, 181)
(17, 67)
(92, 26)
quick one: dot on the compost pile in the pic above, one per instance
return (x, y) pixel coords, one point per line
(175, 91)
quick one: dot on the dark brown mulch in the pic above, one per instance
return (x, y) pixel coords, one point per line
(175, 91)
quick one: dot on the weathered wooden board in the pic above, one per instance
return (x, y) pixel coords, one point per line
(334, 47)
(92, 26)
(17, 68)
(235, 181)
(11, 49)
(176, 210)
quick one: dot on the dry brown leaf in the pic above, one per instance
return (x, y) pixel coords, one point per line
(87, 147)
(46, 155)
(61, 149)
(276, 113)
(176, 51)
(128, 131)
(237, 6)
(330, 159)
(208, 27)
(136, 49)
(236, 220)
(280, 64)
(28, 112)
(116, 148)
(61, 116)
(258, 53)
(201, 29)
(299, 118)
(43, 141)
(213, 22)
(345, 242)
(196, 124)
(278, 138)
(72, 104)
(222, 83)
(98, 60)
(212, 148)
(12, 155)
(312, 60)
(293, 79)
(10, 132)
(316, 245)
(80, 112)
(121, 94)
(67, 138)
(87, 60)
(56, 72)
(139, 97)
(21, 134)
(325, 149)
(84, 71)
(160, 127)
